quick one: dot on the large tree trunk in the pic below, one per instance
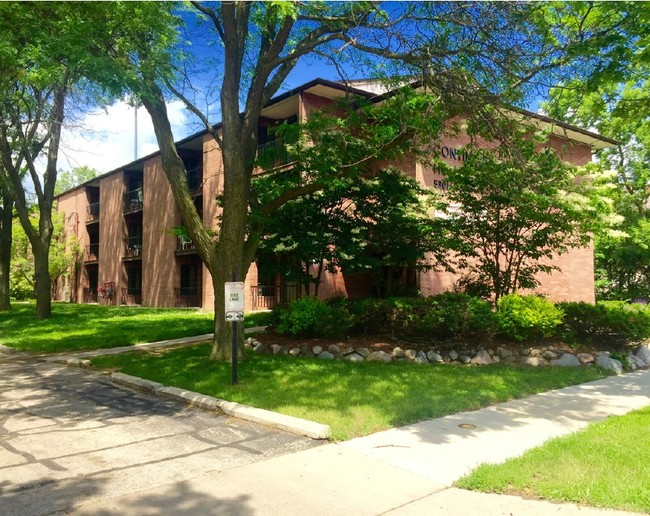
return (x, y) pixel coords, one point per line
(43, 285)
(5, 251)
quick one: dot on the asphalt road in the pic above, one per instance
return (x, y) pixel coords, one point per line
(69, 437)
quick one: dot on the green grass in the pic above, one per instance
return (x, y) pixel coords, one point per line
(83, 327)
(606, 465)
(354, 399)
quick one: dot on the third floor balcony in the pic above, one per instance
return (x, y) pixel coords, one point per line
(133, 200)
(92, 212)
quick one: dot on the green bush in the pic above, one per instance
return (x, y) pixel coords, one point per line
(311, 317)
(605, 322)
(521, 318)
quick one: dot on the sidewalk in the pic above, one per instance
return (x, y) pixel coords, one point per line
(403, 471)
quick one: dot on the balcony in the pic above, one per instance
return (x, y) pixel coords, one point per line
(92, 213)
(133, 201)
(186, 297)
(91, 253)
(195, 180)
(133, 247)
(131, 296)
(184, 245)
(266, 297)
(274, 153)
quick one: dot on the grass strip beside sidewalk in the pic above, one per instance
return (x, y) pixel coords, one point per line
(353, 399)
(605, 465)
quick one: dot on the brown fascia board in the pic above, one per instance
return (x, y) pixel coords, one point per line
(274, 100)
(355, 91)
(530, 114)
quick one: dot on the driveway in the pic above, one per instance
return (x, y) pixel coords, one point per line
(69, 437)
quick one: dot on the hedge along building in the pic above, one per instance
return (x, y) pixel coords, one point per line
(134, 253)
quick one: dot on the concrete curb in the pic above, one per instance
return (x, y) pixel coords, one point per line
(275, 420)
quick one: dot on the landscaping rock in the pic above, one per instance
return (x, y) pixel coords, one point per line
(326, 355)
(410, 354)
(609, 364)
(510, 359)
(586, 358)
(453, 355)
(464, 359)
(276, 348)
(304, 349)
(260, 348)
(354, 358)
(503, 353)
(566, 360)
(490, 352)
(77, 362)
(363, 352)
(421, 358)
(398, 352)
(550, 355)
(334, 349)
(535, 352)
(348, 351)
(434, 357)
(644, 354)
(636, 361)
(496, 359)
(533, 361)
(482, 358)
(317, 350)
(294, 352)
(379, 356)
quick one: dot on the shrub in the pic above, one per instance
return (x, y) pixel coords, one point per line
(311, 317)
(605, 322)
(521, 318)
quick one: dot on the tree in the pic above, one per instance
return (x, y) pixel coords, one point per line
(512, 207)
(6, 218)
(50, 57)
(615, 101)
(469, 53)
(69, 179)
(64, 254)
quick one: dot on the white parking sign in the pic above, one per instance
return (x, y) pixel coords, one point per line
(234, 300)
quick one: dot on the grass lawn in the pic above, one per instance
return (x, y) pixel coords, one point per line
(82, 327)
(606, 465)
(354, 399)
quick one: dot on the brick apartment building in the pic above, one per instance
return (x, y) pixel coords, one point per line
(125, 220)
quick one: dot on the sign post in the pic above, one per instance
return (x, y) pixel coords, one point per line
(234, 304)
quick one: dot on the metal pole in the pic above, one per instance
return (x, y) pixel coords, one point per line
(234, 345)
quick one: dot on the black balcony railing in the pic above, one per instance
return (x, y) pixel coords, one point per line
(134, 246)
(133, 200)
(91, 253)
(265, 297)
(185, 297)
(184, 244)
(131, 296)
(90, 295)
(92, 212)
(275, 153)
(195, 180)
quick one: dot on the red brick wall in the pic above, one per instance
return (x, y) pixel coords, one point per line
(112, 230)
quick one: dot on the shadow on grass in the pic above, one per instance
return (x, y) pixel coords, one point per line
(355, 399)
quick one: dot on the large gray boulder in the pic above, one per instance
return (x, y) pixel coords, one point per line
(566, 360)
(636, 361)
(609, 364)
(379, 356)
(482, 358)
(644, 354)
(434, 358)
(533, 361)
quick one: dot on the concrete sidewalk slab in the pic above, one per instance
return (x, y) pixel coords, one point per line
(469, 503)
(447, 448)
(327, 480)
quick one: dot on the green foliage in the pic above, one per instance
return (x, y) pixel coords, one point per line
(311, 317)
(514, 207)
(607, 322)
(69, 179)
(525, 318)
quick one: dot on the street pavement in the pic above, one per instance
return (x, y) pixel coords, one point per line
(103, 451)
(69, 437)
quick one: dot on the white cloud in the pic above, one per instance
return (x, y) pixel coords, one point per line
(104, 139)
